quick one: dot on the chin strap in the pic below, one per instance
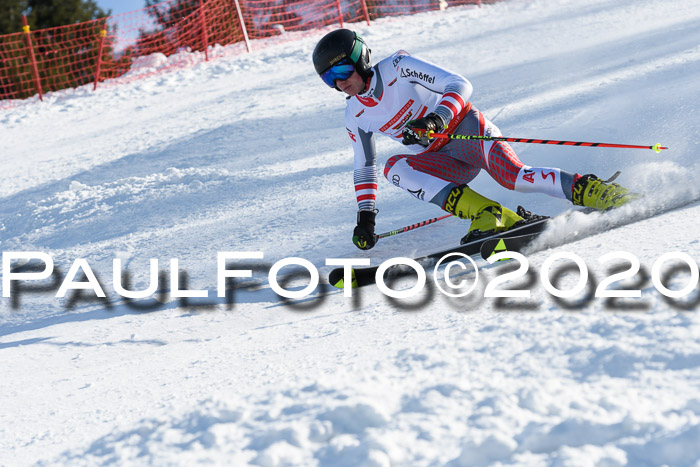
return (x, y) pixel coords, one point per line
(368, 79)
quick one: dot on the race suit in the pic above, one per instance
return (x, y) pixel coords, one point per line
(405, 88)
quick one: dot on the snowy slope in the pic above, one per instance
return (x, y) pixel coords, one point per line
(249, 153)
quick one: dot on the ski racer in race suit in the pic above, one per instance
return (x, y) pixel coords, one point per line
(403, 97)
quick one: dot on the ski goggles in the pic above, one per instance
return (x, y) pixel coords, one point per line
(341, 70)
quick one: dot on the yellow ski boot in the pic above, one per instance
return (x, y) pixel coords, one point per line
(487, 216)
(592, 192)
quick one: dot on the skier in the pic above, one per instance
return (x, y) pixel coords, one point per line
(403, 98)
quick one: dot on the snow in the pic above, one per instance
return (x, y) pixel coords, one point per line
(249, 153)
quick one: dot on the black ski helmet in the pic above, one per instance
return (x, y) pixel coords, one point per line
(340, 44)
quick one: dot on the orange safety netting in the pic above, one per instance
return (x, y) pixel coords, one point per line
(138, 43)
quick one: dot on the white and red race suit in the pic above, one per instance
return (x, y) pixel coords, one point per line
(404, 88)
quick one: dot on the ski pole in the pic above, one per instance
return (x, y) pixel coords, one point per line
(412, 226)
(657, 147)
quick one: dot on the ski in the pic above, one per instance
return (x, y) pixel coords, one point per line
(515, 243)
(366, 275)
(522, 241)
(516, 240)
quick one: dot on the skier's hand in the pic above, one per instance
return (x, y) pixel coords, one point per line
(363, 237)
(416, 131)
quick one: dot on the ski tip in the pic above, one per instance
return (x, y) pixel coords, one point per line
(498, 248)
(336, 279)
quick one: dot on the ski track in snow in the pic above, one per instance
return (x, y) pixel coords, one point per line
(249, 153)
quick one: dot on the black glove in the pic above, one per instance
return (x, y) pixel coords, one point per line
(363, 237)
(431, 122)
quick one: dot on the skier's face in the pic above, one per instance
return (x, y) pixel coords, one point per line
(351, 86)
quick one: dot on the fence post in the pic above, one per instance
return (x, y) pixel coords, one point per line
(340, 13)
(103, 34)
(479, 2)
(365, 11)
(32, 59)
(243, 28)
(205, 37)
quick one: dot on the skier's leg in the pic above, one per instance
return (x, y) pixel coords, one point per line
(586, 190)
(510, 172)
(441, 180)
(429, 177)
(502, 163)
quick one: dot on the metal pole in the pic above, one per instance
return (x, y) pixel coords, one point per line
(365, 11)
(340, 12)
(32, 58)
(203, 20)
(657, 147)
(103, 34)
(243, 28)
(413, 226)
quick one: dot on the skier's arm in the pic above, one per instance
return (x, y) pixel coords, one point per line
(365, 178)
(365, 168)
(455, 89)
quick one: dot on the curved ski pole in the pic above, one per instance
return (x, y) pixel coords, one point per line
(412, 226)
(657, 147)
